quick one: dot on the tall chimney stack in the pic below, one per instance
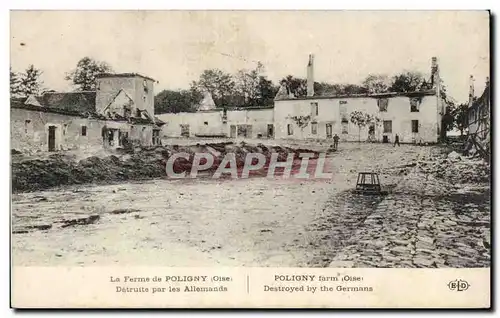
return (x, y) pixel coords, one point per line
(310, 76)
(471, 90)
(434, 72)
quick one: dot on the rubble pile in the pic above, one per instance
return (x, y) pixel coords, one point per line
(132, 164)
(455, 169)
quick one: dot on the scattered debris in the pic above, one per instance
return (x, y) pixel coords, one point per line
(27, 228)
(123, 211)
(456, 169)
(81, 221)
(40, 198)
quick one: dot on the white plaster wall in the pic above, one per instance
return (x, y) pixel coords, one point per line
(196, 122)
(259, 119)
(329, 111)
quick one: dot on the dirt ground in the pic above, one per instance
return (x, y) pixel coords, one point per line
(204, 222)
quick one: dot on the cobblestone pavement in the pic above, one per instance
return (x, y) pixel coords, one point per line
(423, 222)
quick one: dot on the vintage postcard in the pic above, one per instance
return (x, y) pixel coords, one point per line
(250, 159)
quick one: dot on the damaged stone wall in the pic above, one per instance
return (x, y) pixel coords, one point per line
(141, 134)
(29, 131)
(139, 89)
(108, 87)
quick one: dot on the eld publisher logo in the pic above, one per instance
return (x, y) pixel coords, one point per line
(458, 285)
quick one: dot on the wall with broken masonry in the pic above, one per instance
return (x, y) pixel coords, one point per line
(30, 131)
(139, 89)
(213, 123)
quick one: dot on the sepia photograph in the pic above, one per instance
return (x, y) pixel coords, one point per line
(244, 139)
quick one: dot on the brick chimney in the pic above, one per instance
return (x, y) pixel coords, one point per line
(471, 90)
(310, 76)
(434, 72)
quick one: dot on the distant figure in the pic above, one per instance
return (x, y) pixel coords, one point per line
(396, 141)
(335, 141)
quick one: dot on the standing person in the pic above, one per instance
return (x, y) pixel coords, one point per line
(396, 141)
(335, 141)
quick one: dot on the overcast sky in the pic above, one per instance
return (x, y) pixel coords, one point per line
(174, 47)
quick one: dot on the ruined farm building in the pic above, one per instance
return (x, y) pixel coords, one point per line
(478, 114)
(120, 110)
(415, 116)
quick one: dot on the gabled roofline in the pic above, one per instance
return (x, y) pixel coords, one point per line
(114, 98)
(46, 109)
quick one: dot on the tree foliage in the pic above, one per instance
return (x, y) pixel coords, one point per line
(448, 119)
(219, 84)
(376, 83)
(362, 119)
(326, 89)
(247, 85)
(85, 74)
(15, 82)
(460, 116)
(26, 83)
(406, 82)
(352, 89)
(168, 101)
(296, 86)
(253, 88)
(266, 92)
(372, 84)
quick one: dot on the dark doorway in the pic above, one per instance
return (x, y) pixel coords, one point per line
(232, 132)
(371, 133)
(52, 138)
(371, 130)
(184, 130)
(270, 130)
(328, 130)
(111, 137)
